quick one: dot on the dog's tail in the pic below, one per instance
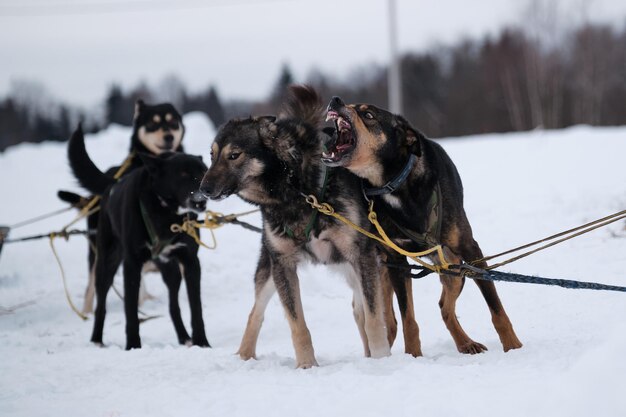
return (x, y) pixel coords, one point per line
(303, 103)
(85, 171)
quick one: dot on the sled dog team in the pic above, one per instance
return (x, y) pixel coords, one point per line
(370, 156)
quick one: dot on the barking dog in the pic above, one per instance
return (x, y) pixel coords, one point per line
(404, 173)
(156, 129)
(134, 230)
(271, 162)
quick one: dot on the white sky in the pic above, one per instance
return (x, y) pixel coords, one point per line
(238, 45)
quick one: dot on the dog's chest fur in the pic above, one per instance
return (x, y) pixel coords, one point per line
(328, 240)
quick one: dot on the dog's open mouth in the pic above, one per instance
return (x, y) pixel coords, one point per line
(343, 143)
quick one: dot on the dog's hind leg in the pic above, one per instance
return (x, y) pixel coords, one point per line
(499, 317)
(263, 290)
(452, 287)
(105, 269)
(403, 288)
(92, 224)
(132, 276)
(288, 287)
(172, 278)
(390, 317)
(90, 291)
(192, 281)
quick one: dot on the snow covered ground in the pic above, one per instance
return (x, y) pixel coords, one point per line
(519, 187)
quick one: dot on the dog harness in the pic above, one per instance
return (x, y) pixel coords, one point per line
(432, 234)
(313, 219)
(156, 245)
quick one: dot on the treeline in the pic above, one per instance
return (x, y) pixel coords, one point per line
(511, 82)
(520, 79)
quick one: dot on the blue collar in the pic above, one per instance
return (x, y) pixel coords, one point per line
(393, 185)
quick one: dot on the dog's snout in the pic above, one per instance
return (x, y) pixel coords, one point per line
(169, 138)
(336, 102)
(198, 196)
(206, 189)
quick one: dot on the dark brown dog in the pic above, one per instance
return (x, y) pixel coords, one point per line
(404, 173)
(271, 162)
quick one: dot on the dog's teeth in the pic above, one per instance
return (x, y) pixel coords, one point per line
(328, 117)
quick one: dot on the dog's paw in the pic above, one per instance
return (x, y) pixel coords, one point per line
(514, 344)
(245, 355)
(307, 364)
(133, 344)
(201, 341)
(413, 351)
(472, 348)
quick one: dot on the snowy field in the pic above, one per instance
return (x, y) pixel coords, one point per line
(518, 187)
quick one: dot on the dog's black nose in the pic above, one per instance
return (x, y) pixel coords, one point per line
(168, 138)
(336, 102)
(206, 189)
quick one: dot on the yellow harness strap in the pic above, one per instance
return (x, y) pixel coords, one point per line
(328, 210)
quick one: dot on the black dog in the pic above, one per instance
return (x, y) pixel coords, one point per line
(156, 129)
(271, 162)
(134, 229)
(419, 197)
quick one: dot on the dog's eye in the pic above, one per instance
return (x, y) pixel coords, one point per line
(234, 156)
(174, 125)
(369, 115)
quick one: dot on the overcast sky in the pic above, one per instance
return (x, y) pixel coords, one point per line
(77, 48)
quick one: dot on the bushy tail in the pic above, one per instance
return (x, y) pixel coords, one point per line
(85, 171)
(303, 103)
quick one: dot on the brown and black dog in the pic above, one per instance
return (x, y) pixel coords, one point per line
(271, 162)
(403, 173)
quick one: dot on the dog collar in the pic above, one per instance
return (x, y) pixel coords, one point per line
(393, 185)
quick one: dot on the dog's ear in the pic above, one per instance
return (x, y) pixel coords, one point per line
(139, 106)
(268, 129)
(411, 137)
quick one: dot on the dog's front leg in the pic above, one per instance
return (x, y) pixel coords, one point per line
(263, 290)
(370, 292)
(192, 280)
(132, 276)
(288, 287)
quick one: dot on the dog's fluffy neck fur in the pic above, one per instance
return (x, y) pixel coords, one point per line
(288, 176)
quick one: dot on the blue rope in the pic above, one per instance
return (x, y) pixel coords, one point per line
(477, 273)
(565, 283)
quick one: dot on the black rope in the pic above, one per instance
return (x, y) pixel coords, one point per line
(477, 273)
(64, 234)
(247, 226)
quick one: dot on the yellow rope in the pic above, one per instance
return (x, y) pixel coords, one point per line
(86, 211)
(212, 220)
(328, 210)
(54, 235)
(190, 226)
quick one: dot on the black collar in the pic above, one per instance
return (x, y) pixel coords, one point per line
(393, 185)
